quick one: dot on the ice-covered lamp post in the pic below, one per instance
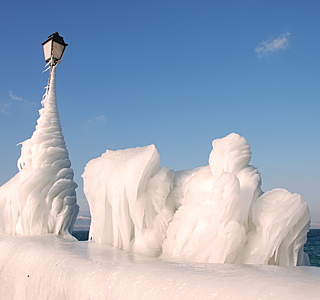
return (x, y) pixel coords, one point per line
(53, 49)
(41, 197)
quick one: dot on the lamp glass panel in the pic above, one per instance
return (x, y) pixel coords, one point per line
(47, 50)
(57, 51)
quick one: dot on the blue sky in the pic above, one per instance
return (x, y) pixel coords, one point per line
(176, 74)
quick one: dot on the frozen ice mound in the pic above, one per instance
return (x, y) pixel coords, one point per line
(216, 213)
(41, 197)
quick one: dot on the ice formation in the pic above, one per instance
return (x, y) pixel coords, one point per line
(215, 214)
(128, 193)
(41, 197)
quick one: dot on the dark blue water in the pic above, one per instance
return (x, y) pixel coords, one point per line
(81, 235)
(312, 247)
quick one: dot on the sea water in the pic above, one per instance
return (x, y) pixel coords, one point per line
(312, 247)
(81, 235)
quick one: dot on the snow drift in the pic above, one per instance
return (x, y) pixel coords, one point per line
(215, 214)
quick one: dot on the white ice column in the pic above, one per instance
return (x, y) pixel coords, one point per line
(41, 198)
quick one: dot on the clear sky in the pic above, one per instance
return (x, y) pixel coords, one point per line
(176, 74)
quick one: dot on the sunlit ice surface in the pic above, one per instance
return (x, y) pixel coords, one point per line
(49, 267)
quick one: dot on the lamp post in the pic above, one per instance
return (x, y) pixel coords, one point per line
(53, 49)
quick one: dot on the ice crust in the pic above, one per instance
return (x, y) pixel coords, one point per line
(216, 213)
(41, 197)
(51, 268)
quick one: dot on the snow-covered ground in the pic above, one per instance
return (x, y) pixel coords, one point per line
(315, 225)
(49, 267)
(82, 222)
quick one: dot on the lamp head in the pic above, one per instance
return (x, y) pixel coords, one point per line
(53, 48)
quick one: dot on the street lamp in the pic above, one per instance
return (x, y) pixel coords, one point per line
(53, 49)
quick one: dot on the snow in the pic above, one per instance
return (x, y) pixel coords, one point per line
(48, 267)
(216, 213)
(41, 198)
